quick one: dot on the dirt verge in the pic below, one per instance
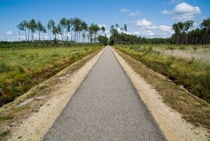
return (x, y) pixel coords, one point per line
(173, 126)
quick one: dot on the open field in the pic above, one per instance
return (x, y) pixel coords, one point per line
(191, 108)
(22, 68)
(192, 74)
(190, 52)
(40, 106)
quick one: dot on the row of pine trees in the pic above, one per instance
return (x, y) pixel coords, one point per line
(200, 35)
(74, 28)
(79, 31)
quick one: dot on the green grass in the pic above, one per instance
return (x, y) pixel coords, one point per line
(22, 68)
(192, 75)
(192, 109)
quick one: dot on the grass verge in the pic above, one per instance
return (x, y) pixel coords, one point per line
(17, 111)
(21, 69)
(192, 75)
(192, 109)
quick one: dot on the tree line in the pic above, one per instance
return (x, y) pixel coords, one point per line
(182, 35)
(79, 31)
(75, 28)
(119, 36)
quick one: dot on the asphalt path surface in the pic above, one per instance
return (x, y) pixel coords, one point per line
(106, 107)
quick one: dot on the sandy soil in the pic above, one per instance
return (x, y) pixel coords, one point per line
(170, 122)
(36, 126)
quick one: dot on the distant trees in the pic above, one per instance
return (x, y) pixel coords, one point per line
(182, 35)
(103, 40)
(23, 26)
(32, 26)
(50, 27)
(205, 25)
(125, 27)
(180, 30)
(119, 35)
(40, 28)
(80, 31)
(57, 31)
(93, 30)
(76, 26)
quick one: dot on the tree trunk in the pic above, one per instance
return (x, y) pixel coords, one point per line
(32, 36)
(75, 36)
(39, 35)
(66, 35)
(19, 35)
(26, 35)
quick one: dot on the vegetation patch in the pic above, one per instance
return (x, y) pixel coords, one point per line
(192, 109)
(4, 133)
(21, 108)
(192, 75)
(23, 68)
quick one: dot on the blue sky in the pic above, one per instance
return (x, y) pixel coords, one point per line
(148, 18)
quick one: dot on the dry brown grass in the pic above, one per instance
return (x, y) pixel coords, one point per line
(201, 54)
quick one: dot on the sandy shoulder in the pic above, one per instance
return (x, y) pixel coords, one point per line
(170, 122)
(37, 124)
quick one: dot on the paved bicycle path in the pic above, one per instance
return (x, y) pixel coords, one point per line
(106, 107)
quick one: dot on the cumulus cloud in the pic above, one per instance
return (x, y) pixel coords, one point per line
(130, 12)
(9, 33)
(183, 12)
(148, 29)
(143, 23)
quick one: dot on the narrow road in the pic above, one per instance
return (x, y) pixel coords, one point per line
(106, 107)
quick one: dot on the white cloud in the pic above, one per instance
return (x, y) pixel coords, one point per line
(166, 12)
(165, 28)
(183, 12)
(186, 8)
(148, 29)
(124, 10)
(136, 13)
(149, 33)
(130, 13)
(143, 23)
(9, 33)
